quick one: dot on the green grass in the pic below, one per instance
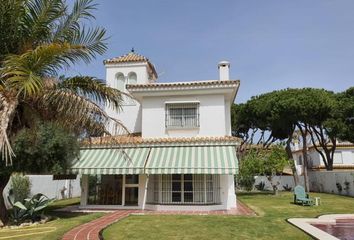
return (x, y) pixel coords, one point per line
(54, 229)
(269, 224)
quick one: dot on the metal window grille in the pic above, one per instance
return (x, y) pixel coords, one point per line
(197, 189)
(182, 115)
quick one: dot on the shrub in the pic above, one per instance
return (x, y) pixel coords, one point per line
(246, 182)
(20, 187)
(260, 186)
(30, 208)
(262, 162)
(45, 148)
(245, 178)
(287, 188)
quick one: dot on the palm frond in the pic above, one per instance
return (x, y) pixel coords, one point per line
(80, 112)
(42, 16)
(38, 38)
(89, 42)
(11, 15)
(70, 22)
(94, 89)
(24, 73)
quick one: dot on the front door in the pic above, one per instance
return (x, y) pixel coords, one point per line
(131, 190)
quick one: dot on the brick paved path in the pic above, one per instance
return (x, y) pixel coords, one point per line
(91, 230)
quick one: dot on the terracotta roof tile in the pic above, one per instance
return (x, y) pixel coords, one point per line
(338, 146)
(129, 57)
(182, 84)
(335, 167)
(135, 140)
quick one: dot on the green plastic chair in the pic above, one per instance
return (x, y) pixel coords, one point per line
(301, 197)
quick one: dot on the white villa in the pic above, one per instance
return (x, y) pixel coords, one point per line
(343, 158)
(180, 154)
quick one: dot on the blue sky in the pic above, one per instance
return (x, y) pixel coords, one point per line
(271, 44)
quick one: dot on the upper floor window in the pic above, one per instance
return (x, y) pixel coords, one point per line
(132, 78)
(337, 157)
(182, 115)
(120, 85)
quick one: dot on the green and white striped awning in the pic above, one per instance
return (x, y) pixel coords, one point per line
(111, 161)
(192, 159)
(158, 160)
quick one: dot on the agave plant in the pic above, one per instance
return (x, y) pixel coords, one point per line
(30, 209)
(39, 40)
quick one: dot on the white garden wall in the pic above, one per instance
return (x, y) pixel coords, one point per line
(49, 187)
(326, 181)
(320, 181)
(283, 181)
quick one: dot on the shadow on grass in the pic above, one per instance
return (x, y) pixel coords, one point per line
(63, 203)
(263, 193)
(51, 209)
(65, 215)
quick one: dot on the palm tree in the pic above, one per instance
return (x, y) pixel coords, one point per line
(40, 39)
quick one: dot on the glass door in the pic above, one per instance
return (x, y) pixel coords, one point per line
(105, 190)
(131, 191)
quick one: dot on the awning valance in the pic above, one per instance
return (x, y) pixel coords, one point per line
(193, 160)
(111, 161)
(159, 160)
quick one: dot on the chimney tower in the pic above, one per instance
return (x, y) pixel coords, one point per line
(224, 68)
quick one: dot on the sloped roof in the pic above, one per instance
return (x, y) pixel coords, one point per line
(183, 84)
(133, 57)
(341, 145)
(138, 140)
(129, 57)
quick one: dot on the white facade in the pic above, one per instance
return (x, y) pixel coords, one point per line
(213, 116)
(227, 198)
(148, 115)
(118, 76)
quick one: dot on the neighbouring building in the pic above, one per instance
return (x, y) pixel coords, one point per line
(343, 158)
(179, 155)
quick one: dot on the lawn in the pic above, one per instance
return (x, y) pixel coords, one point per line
(54, 229)
(269, 224)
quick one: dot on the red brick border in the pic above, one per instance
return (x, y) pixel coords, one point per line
(91, 230)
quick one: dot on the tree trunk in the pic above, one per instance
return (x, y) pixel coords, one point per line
(7, 113)
(321, 143)
(4, 179)
(304, 133)
(329, 167)
(274, 186)
(290, 156)
(306, 178)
